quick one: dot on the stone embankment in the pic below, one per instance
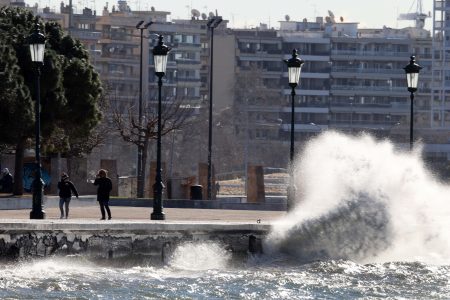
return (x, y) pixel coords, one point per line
(39, 238)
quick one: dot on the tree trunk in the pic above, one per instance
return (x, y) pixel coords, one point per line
(69, 165)
(140, 178)
(18, 168)
(144, 167)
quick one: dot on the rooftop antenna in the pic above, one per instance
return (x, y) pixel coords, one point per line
(195, 14)
(331, 15)
(315, 10)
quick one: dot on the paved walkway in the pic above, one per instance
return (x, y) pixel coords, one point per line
(140, 213)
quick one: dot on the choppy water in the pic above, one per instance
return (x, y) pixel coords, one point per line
(77, 278)
(371, 222)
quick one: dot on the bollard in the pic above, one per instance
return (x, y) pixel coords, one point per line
(254, 245)
(196, 192)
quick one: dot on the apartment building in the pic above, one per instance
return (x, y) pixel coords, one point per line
(439, 104)
(368, 90)
(352, 81)
(113, 41)
(312, 113)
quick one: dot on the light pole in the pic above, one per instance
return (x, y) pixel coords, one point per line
(160, 59)
(212, 23)
(412, 78)
(140, 167)
(37, 48)
(294, 65)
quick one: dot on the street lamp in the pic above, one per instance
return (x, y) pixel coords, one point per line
(212, 23)
(160, 59)
(140, 167)
(37, 48)
(294, 65)
(412, 78)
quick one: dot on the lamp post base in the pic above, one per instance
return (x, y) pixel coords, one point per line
(158, 216)
(37, 211)
(37, 214)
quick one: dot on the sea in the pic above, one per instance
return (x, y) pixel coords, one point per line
(371, 221)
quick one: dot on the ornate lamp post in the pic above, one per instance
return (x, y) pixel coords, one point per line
(37, 48)
(160, 58)
(212, 23)
(294, 65)
(412, 78)
(140, 167)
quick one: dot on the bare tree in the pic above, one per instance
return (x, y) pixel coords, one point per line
(174, 116)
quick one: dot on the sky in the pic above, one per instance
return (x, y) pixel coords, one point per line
(250, 13)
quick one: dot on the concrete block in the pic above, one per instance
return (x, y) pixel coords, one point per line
(255, 185)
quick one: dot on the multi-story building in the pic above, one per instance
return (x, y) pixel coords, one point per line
(352, 80)
(312, 111)
(114, 45)
(368, 90)
(439, 105)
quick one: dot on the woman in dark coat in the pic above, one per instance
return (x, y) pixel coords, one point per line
(104, 188)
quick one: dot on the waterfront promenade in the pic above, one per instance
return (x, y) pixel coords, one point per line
(130, 232)
(121, 213)
(86, 208)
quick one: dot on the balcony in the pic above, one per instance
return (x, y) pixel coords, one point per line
(376, 54)
(366, 124)
(188, 79)
(306, 92)
(368, 70)
(86, 34)
(304, 127)
(369, 88)
(182, 61)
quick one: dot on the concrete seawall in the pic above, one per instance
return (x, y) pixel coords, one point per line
(39, 238)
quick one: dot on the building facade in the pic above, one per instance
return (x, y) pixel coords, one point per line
(352, 81)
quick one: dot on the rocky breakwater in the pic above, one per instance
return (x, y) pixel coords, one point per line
(118, 239)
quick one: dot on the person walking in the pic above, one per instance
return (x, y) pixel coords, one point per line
(6, 183)
(104, 188)
(66, 188)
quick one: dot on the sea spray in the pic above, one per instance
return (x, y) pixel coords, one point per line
(364, 200)
(200, 256)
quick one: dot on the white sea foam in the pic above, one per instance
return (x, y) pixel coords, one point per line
(363, 192)
(200, 256)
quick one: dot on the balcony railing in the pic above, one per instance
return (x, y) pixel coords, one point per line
(367, 70)
(190, 79)
(370, 53)
(188, 61)
(368, 88)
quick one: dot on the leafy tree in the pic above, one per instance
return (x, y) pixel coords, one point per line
(69, 93)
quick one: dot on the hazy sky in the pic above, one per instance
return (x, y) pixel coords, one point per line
(242, 13)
